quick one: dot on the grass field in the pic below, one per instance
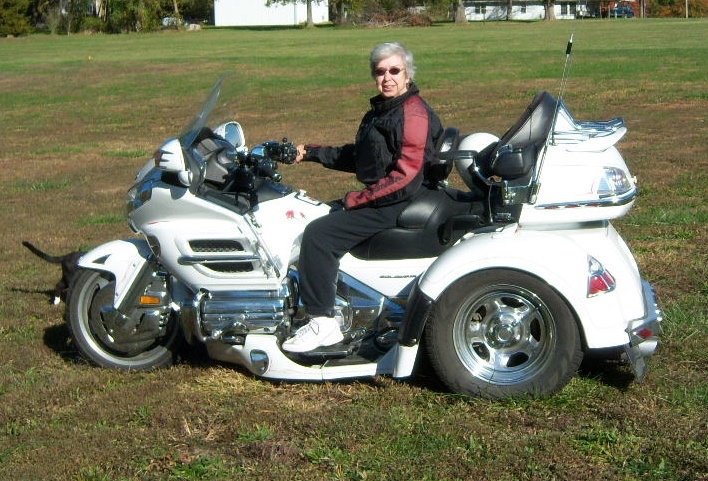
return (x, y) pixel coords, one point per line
(80, 115)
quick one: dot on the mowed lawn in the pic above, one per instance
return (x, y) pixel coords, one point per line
(80, 114)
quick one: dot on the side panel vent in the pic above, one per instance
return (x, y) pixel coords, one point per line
(219, 245)
(230, 267)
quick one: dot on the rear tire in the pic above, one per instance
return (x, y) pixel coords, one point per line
(502, 333)
(93, 336)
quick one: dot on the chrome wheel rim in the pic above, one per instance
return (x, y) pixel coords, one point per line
(505, 336)
(96, 293)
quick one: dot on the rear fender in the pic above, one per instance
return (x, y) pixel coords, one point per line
(555, 259)
(558, 257)
(124, 259)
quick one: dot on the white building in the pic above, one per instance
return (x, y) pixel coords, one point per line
(524, 10)
(252, 13)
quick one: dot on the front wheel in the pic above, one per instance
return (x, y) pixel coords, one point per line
(501, 333)
(144, 340)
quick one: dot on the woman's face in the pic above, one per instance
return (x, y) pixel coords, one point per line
(391, 76)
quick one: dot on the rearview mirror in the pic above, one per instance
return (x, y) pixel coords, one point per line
(233, 133)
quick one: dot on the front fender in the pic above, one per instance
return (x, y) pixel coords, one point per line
(122, 258)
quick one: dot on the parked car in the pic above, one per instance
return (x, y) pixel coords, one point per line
(584, 12)
(172, 22)
(622, 11)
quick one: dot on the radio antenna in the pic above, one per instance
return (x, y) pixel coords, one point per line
(564, 82)
(566, 67)
(549, 138)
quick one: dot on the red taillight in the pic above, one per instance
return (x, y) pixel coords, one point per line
(645, 333)
(601, 283)
(600, 280)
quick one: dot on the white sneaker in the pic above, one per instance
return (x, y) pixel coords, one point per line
(320, 331)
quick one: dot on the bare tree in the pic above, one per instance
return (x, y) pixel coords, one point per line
(178, 17)
(550, 10)
(460, 13)
(310, 22)
(102, 9)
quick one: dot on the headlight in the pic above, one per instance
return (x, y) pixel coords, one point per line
(132, 194)
(132, 202)
(141, 192)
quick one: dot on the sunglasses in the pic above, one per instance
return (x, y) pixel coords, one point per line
(380, 72)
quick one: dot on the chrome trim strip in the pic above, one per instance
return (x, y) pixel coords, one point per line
(653, 316)
(640, 347)
(192, 260)
(611, 201)
(599, 125)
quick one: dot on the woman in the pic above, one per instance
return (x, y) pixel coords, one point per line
(396, 139)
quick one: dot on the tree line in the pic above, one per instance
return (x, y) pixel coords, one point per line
(21, 17)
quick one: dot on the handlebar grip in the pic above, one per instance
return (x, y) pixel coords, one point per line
(268, 170)
(284, 152)
(288, 152)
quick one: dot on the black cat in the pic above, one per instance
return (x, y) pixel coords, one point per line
(69, 266)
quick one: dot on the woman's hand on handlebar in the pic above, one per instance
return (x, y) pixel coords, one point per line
(300, 154)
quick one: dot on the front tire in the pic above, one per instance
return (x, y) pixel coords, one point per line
(94, 334)
(502, 333)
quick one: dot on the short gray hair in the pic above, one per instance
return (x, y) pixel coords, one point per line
(388, 49)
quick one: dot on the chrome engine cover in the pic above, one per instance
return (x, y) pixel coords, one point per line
(230, 316)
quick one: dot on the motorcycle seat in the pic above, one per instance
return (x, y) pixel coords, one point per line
(425, 228)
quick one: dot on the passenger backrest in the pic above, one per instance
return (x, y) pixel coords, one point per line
(441, 166)
(516, 151)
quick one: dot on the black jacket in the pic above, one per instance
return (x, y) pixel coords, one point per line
(395, 141)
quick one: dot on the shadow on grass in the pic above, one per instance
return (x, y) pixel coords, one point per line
(608, 372)
(424, 375)
(611, 372)
(58, 339)
(48, 292)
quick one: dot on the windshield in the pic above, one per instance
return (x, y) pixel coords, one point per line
(200, 121)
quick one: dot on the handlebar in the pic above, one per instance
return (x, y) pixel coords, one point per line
(268, 169)
(264, 157)
(261, 161)
(248, 169)
(284, 152)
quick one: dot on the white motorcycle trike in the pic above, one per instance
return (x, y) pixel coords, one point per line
(506, 284)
